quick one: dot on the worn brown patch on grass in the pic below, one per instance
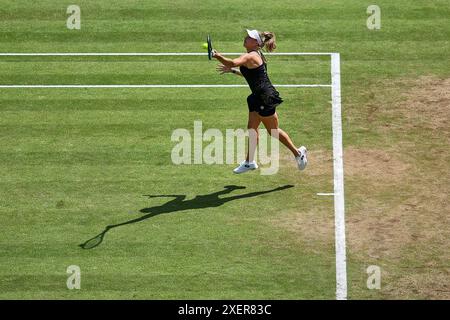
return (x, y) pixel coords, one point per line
(318, 225)
(397, 197)
(427, 104)
(405, 223)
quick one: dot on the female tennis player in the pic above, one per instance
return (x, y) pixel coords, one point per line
(264, 99)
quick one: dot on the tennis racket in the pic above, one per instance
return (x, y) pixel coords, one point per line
(210, 49)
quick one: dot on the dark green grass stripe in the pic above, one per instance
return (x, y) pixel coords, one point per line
(227, 10)
(120, 94)
(114, 79)
(102, 104)
(124, 37)
(81, 158)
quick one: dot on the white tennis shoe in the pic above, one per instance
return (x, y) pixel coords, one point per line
(246, 166)
(302, 159)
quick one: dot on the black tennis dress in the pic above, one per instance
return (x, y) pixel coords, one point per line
(264, 98)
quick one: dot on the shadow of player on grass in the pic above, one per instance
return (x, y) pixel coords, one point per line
(179, 204)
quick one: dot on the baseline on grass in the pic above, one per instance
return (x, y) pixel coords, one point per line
(338, 167)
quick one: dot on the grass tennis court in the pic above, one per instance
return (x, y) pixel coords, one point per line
(73, 161)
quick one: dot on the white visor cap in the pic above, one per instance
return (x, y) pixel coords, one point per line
(254, 34)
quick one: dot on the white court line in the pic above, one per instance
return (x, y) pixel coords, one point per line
(155, 86)
(338, 170)
(13, 54)
(325, 194)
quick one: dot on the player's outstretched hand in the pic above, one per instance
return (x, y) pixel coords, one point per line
(223, 69)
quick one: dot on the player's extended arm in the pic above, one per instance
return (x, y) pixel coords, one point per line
(232, 63)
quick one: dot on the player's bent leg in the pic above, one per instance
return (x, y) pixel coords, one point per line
(271, 124)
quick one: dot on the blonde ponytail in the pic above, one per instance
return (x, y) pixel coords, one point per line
(268, 39)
